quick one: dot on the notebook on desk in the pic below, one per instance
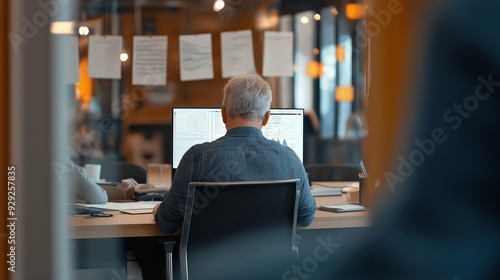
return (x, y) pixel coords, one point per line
(341, 208)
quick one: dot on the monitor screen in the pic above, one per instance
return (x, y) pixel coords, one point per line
(198, 125)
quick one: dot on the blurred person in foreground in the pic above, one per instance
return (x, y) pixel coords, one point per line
(441, 221)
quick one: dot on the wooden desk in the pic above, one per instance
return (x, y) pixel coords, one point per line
(120, 225)
(325, 220)
(125, 225)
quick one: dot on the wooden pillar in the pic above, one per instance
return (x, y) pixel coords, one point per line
(391, 29)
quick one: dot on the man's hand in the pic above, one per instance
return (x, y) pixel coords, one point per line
(155, 210)
(139, 187)
(128, 187)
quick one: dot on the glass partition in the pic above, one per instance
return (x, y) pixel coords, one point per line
(329, 77)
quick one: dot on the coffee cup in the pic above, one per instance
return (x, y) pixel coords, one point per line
(93, 172)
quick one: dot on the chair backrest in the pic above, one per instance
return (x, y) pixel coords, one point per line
(332, 172)
(239, 230)
(117, 171)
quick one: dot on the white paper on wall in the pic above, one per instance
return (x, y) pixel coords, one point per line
(278, 54)
(237, 53)
(104, 57)
(196, 57)
(149, 60)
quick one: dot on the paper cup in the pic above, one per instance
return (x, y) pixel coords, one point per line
(93, 172)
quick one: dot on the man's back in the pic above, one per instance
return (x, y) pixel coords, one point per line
(243, 154)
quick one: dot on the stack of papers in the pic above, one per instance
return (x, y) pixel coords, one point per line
(119, 206)
(137, 211)
(325, 191)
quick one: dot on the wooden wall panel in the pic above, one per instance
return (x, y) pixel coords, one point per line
(202, 93)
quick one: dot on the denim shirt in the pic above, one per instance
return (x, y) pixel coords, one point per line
(242, 154)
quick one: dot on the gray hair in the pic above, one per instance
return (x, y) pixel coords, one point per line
(248, 96)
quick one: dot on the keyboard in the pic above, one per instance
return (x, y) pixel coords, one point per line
(150, 195)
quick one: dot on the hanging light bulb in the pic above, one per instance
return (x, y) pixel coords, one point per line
(219, 5)
(83, 30)
(62, 27)
(355, 11)
(344, 93)
(314, 69)
(124, 56)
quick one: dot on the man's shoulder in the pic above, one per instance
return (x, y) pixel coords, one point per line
(204, 147)
(198, 148)
(281, 148)
(227, 144)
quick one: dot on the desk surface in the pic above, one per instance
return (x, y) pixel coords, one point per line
(125, 225)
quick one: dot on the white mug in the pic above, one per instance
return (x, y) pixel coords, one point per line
(93, 172)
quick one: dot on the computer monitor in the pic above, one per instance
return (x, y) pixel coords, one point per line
(198, 125)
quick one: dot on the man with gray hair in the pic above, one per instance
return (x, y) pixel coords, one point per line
(242, 154)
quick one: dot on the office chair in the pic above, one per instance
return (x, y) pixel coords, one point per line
(238, 230)
(332, 172)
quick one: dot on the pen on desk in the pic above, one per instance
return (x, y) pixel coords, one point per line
(108, 183)
(101, 215)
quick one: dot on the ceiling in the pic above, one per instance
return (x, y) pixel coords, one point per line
(99, 7)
